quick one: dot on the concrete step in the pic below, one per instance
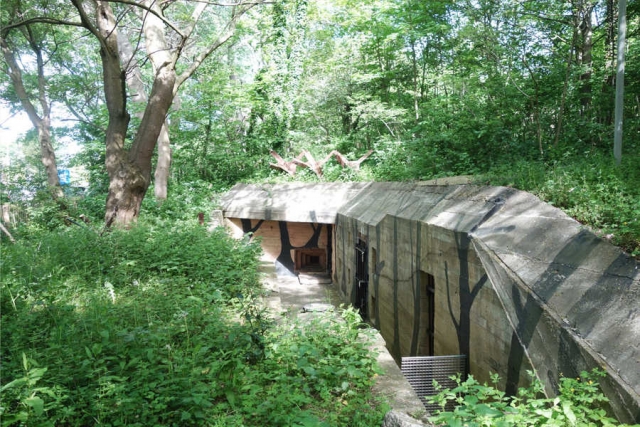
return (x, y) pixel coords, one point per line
(308, 278)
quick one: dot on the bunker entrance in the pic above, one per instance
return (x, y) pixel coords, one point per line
(427, 314)
(310, 260)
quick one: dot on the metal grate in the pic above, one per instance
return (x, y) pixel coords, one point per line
(421, 371)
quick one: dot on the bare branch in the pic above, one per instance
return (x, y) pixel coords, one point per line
(39, 20)
(80, 118)
(224, 37)
(312, 163)
(153, 12)
(288, 167)
(195, 17)
(240, 3)
(352, 164)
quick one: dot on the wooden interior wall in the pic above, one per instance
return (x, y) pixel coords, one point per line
(280, 239)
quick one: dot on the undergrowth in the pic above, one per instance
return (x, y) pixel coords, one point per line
(579, 402)
(163, 326)
(589, 188)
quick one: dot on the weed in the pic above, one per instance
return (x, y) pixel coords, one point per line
(578, 403)
(164, 326)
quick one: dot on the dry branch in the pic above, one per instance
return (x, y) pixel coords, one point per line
(313, 164)
(351, 164)
(5, 231)
(288, 167)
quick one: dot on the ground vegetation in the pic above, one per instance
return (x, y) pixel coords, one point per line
(163, 325)
(511, 93)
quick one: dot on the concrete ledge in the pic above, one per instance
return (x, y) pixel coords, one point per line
(394, 387)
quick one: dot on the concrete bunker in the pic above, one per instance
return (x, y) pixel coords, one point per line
(489, 272)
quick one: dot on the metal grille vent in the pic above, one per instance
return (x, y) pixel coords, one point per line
(421, 371)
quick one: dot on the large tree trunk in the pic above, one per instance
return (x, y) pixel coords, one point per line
(127, 187)
(129, 172)
(138, 95)
(130, 177)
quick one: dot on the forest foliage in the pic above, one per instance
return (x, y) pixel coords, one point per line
(164, 326)
(513, 93)
(508, 92)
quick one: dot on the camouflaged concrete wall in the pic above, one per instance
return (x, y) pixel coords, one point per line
(518, 284)
(469, 318)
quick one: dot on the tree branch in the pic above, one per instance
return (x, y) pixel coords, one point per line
(224, 37)
(16, 77)
(39, 20)
(153, 12)
(240, 3)
(86, 22)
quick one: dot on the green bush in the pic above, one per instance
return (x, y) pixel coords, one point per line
(590, 188)
(579, 403)
(163, 326)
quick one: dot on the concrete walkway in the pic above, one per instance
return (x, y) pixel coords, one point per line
(287, 297)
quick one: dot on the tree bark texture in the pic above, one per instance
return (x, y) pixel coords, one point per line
(139, 96)
(129, 170)
(619, 108)
(161, 176)
(583, 10)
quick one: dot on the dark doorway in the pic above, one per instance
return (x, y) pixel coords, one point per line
(427, 314)
(362, 279)
(310, 260)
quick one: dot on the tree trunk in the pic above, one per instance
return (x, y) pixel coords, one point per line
(622, 34)
(127, 188)
(163, 166)
(565, 88)
(605, 109)
(41, 122)
(582, 20)
(129, 172)
(136, 86)
(48, 157)
(126, 184)
(160, 54)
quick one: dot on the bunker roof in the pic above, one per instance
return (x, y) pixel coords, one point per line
(590, 287)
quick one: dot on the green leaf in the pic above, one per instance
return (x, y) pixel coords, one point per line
(231, 397)
(568, 412)
(486, 410)
(36, 403)
(14, 383)
(25, 362)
